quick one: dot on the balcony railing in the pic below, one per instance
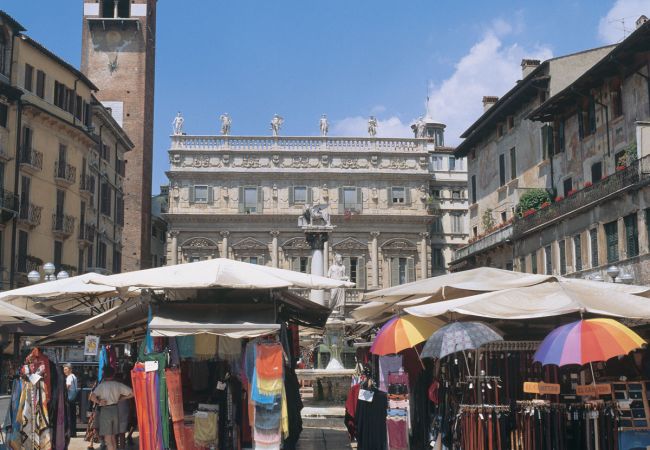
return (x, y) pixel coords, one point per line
(489, 241)
(87, 184)
(30, 214)
(296, 143)
(62, 224)
(31, 159)
(27, 263)
(635, 174)
(65, 173)
(87, 233)
(8, 201)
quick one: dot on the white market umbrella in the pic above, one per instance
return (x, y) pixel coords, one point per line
(444, 287)
(219, 273)
(563, 296)
(62, 294)
(11, 314)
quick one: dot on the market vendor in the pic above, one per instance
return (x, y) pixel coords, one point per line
(107, 395)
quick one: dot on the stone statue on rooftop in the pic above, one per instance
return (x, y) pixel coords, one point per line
(372, 126)
(226, 122)
(324, 125)
(420, 127)
(177, 124)
(276, 124)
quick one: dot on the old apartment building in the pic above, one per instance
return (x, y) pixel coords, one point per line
(588, 154)
(61, 165)
(508, 155)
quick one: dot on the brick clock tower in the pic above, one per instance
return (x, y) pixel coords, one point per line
(118, 55)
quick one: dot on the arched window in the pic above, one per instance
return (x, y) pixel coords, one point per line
(111, 7)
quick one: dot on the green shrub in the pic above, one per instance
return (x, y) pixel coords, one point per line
(532, 199)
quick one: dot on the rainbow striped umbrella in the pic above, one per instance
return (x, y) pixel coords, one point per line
(587, 341)
(400, 333)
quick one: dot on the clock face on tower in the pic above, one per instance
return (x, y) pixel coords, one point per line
(113, 38)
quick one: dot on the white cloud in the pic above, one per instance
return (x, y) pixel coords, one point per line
(489, 68)
(620, 20)
(358, 126)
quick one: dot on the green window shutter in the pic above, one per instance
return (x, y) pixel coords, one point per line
(389, 196)
(407, 195)
(361, 272)
(581, 125)
(394, 271)
(309, 264)
(291, 200)
(341, 201)
(359, 207)
(260, 199)
(241, 200)
(191, 194)
(410, 269)
(309, 196)
(295, 264)
(260, 260)
(346, 264)
(210, 194)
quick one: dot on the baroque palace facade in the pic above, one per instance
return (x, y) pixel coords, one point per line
(240, 197)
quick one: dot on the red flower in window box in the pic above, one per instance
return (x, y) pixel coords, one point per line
(619, 168)
(529, 212)
(571, 192)
(545, 204)
(559, 198)
(588, 184)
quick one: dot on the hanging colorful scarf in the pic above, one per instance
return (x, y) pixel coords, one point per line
(103, 362)
(145, 389)
(175, 391)
(13, 435)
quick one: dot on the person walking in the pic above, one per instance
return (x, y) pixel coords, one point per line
(107, 395)
(73, 392)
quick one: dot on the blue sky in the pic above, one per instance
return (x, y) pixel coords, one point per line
(348, 59)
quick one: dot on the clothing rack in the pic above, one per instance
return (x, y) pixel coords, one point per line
(502, 346)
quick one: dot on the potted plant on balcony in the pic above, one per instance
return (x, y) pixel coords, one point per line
(588, 184)
(545, 205)
(532, 199)
(619, 168)
(571, 192)
(558, 199)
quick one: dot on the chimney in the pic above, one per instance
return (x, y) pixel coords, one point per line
(640, 21)
(527, 66)
(488, 101)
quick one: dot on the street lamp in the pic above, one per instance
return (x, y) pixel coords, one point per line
(597, 277)
(613, 272)
(48, 270)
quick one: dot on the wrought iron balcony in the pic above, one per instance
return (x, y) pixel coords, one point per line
(62, 225)
(30, 214)
(8, 205)
(87, 233)
(31, 160)
(491, 240)
(27, 263)
(64, 173)
(634, 175)
(87, 184)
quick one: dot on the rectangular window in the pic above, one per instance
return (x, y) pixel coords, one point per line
(80, 260)
(436, 225)
(548, 260)
(548, 142)
(456, 195)
(249, 199)
(457, 223)
(22, 251)
(105, 199)
(513, 163)
(533, 263)
(631, 235)
(502, 170)
(473, 188)
(58, 254)
(617, 100)
(304, 264)
(40, 83)
(300, 194)
(117, 261)
(29, 77)
(522, 264)
(511, 122)
(200, 194)
(25, 184)
(593, 241)
(4, 113)
(435, 193)
(596, 171)
(562, 244)
(577, 252)
(504, 217)
(561, 139)
(437, 258)
(452, 163)
(436, 162)
(398, 195)
(402, 270)
(352, 200)
(101, 257)
(611, 238)
(91, 252)
(567, 186)
(78, 107)
(500, 130)
(60, 95)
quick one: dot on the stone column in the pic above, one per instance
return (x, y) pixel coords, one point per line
(375, 258)
(424, 256)
(644, 244)
(326, 255)
(224, 244)
(174, 247)
(275, 258)
(316, 241)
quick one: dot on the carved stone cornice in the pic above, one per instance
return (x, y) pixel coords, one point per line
(296, 243)
(350, 244)
(199, 243)
(398, 244)
(250, 244)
